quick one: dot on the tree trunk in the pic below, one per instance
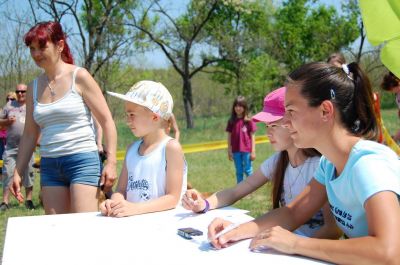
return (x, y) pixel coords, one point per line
(188, 102)
(360, 48)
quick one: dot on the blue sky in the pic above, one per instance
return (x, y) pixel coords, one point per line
(156, 58)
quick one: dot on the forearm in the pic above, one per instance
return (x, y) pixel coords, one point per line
(223, 198)
(282, 217)
(363, 250)
(162, 203)
(110, 137)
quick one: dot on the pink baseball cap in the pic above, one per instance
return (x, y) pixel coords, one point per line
(274, 107)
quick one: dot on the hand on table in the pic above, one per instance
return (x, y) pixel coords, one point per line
(216, 226)
(116, 208)
(193, 201)
(277, 238)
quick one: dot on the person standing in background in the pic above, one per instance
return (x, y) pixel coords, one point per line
(3, 130)
(12, 118)
(336, 59)
(241, 140)
(391, 83)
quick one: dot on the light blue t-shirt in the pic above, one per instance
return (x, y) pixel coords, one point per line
(371, 168)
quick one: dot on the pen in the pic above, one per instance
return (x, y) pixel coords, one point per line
(226, 230)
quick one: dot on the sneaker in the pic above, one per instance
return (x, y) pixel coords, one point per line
(4, 207)
(29, 205)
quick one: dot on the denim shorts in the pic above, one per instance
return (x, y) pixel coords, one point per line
(81, 168)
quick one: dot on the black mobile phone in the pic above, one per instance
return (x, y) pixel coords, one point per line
(188, 232)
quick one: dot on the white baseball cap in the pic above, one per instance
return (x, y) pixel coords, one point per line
(152, 95)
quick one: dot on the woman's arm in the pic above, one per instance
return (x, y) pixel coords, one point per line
(106, 207)
(96, 102)
(381, 246)
(99, 134)
(290, 217)
(26, 145)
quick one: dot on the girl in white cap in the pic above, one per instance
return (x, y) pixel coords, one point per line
(153, 175)
(289, 170)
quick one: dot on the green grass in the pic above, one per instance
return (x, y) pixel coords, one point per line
(207, 171)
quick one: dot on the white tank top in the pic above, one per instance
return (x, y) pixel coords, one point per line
(147, 173)
(65, 124)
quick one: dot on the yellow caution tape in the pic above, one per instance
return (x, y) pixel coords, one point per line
(191, 148)
(389, 140)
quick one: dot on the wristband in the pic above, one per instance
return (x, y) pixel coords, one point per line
(206, 208)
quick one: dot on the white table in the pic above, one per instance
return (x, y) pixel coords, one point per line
(89, 238)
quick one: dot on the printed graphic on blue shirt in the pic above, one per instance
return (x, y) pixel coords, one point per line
(342, 217)
(141, 187)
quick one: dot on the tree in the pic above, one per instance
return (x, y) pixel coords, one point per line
(241, 34)
(15, 63)
(307, 32)
(180, 38)
(97, 24)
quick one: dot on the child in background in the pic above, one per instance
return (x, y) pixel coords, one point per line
(153, 176)
(336, 59)
(11, 96)
(241, 140)
(391, 83)
(290, 170)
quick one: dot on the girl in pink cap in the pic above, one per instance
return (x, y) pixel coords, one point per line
(290, 170)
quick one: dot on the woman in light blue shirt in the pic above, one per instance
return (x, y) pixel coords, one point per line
(329, 108)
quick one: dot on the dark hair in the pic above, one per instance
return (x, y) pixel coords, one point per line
(49, 31)
(336, 57)
(389, 81)
(279, 173)
(241, 101)
(350, 93)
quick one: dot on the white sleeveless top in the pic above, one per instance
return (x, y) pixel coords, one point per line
(147, 173)
(65, 124)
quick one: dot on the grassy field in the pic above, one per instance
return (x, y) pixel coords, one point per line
(207, 171)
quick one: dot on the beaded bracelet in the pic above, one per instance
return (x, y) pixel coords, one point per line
(206, 208)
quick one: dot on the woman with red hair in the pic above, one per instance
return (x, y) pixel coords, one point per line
(60, 103)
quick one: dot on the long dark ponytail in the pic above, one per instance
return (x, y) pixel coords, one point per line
(279, 173)
(347, 87)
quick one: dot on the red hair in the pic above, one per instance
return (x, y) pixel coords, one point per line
(49, 31)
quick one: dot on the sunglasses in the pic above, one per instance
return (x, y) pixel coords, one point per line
(20, 91)
(12, 99)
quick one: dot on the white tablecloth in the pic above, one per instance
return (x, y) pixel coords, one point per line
(89, 238)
